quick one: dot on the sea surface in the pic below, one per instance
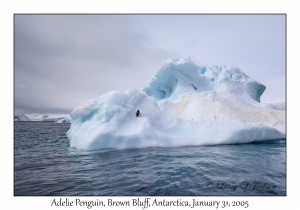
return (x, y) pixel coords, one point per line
(44, 164)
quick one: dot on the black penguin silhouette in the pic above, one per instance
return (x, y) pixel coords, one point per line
(138, 114)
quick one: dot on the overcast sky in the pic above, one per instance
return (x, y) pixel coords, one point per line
(60, 61)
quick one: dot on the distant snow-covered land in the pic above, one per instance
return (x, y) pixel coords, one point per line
(43, 118)
(278, 104)
(181, 104)
(21, 117)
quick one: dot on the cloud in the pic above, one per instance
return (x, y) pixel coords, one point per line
(61, 61)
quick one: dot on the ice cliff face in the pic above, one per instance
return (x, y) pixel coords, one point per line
(182, 104)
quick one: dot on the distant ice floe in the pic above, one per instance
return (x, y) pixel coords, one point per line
(182, 104)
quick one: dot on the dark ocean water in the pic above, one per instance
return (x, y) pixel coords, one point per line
(44, 164)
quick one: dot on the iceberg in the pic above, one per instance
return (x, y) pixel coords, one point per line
(64, 120)
(182, 104)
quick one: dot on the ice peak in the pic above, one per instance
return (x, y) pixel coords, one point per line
(179, 75)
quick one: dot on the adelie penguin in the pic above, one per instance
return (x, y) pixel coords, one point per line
(137, 114)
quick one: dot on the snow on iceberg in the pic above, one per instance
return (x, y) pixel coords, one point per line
(182, 104)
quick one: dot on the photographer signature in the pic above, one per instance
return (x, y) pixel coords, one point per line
(245, 185)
